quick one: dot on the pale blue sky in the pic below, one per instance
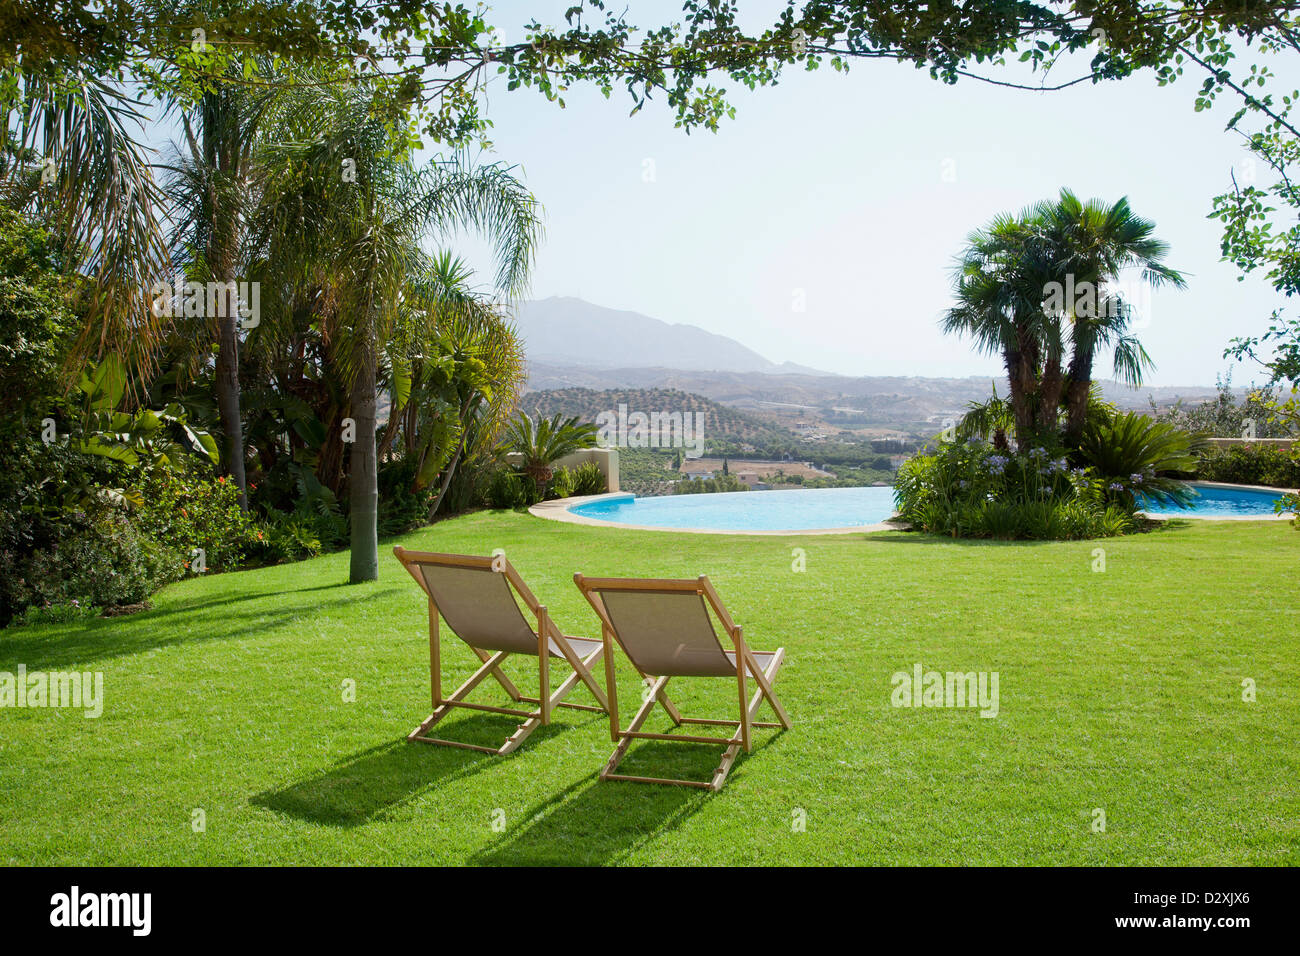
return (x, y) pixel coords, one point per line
(855, 192)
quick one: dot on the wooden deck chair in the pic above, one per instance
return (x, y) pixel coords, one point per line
(664, 628)
(473, 595)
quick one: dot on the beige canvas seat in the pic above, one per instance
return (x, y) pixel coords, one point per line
(666, 631)
(476, 597)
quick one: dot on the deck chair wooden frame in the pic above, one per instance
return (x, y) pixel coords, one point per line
(550, 643)
(746, 663)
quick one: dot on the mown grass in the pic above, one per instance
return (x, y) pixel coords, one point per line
(1119, 690)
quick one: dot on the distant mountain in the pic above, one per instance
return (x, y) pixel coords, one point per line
(563, 330)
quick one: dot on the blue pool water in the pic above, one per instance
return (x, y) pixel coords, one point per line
(1222, 503)
(801, 509)
(815, 508)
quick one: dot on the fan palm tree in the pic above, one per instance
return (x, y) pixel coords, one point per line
(1003, 282)
(355, 240)
(999, 306)
(1094, 243)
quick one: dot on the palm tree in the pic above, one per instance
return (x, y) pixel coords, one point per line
(210, 188)
(990, 420)
(454, 380)
(70, 154)
(541, 442)
(1008, 285)
(1094, 243)
(356, 241)
(999, 299)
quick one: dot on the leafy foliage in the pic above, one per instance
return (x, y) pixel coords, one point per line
(541, 442)
(1251, 465)
(969, 490)
(1137, 458)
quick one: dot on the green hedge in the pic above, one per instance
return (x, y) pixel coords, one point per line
(1251, 465)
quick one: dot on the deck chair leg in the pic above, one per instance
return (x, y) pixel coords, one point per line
(765, 680)
(506, 683)
(724, 767)
(553, 701)
(441, 711)
(638, 721)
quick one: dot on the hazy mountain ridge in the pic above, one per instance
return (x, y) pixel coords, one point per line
(568, 331)
(573, 344)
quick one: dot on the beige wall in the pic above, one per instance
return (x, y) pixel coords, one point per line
(1282, 443)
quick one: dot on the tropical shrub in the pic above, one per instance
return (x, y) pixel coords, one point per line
(579, 481)
(507, 488)
(402, 505)
(288, 537)
(1251, 465)
(561, 484)
(1137, 458)
(971, 490)
(588, 479)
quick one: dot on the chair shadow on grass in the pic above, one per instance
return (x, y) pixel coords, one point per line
(374, 782)
(595, 823)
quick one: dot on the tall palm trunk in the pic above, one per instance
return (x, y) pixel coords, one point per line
(363, 475)
(222, 152)
(228, 403)
(1076, 396)
(1022, 377)
(1049, 394)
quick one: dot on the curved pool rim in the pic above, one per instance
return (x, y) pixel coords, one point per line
(558, 510)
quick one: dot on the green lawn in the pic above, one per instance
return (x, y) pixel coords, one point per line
(1118, 690)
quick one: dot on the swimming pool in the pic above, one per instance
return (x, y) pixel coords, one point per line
(801, 509)
(839, 509)
(1222, 501)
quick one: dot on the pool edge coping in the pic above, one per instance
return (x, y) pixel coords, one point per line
(558, 510)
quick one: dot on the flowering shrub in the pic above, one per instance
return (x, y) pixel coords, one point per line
(969, 490)
(184, 512)
(1289, 503)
